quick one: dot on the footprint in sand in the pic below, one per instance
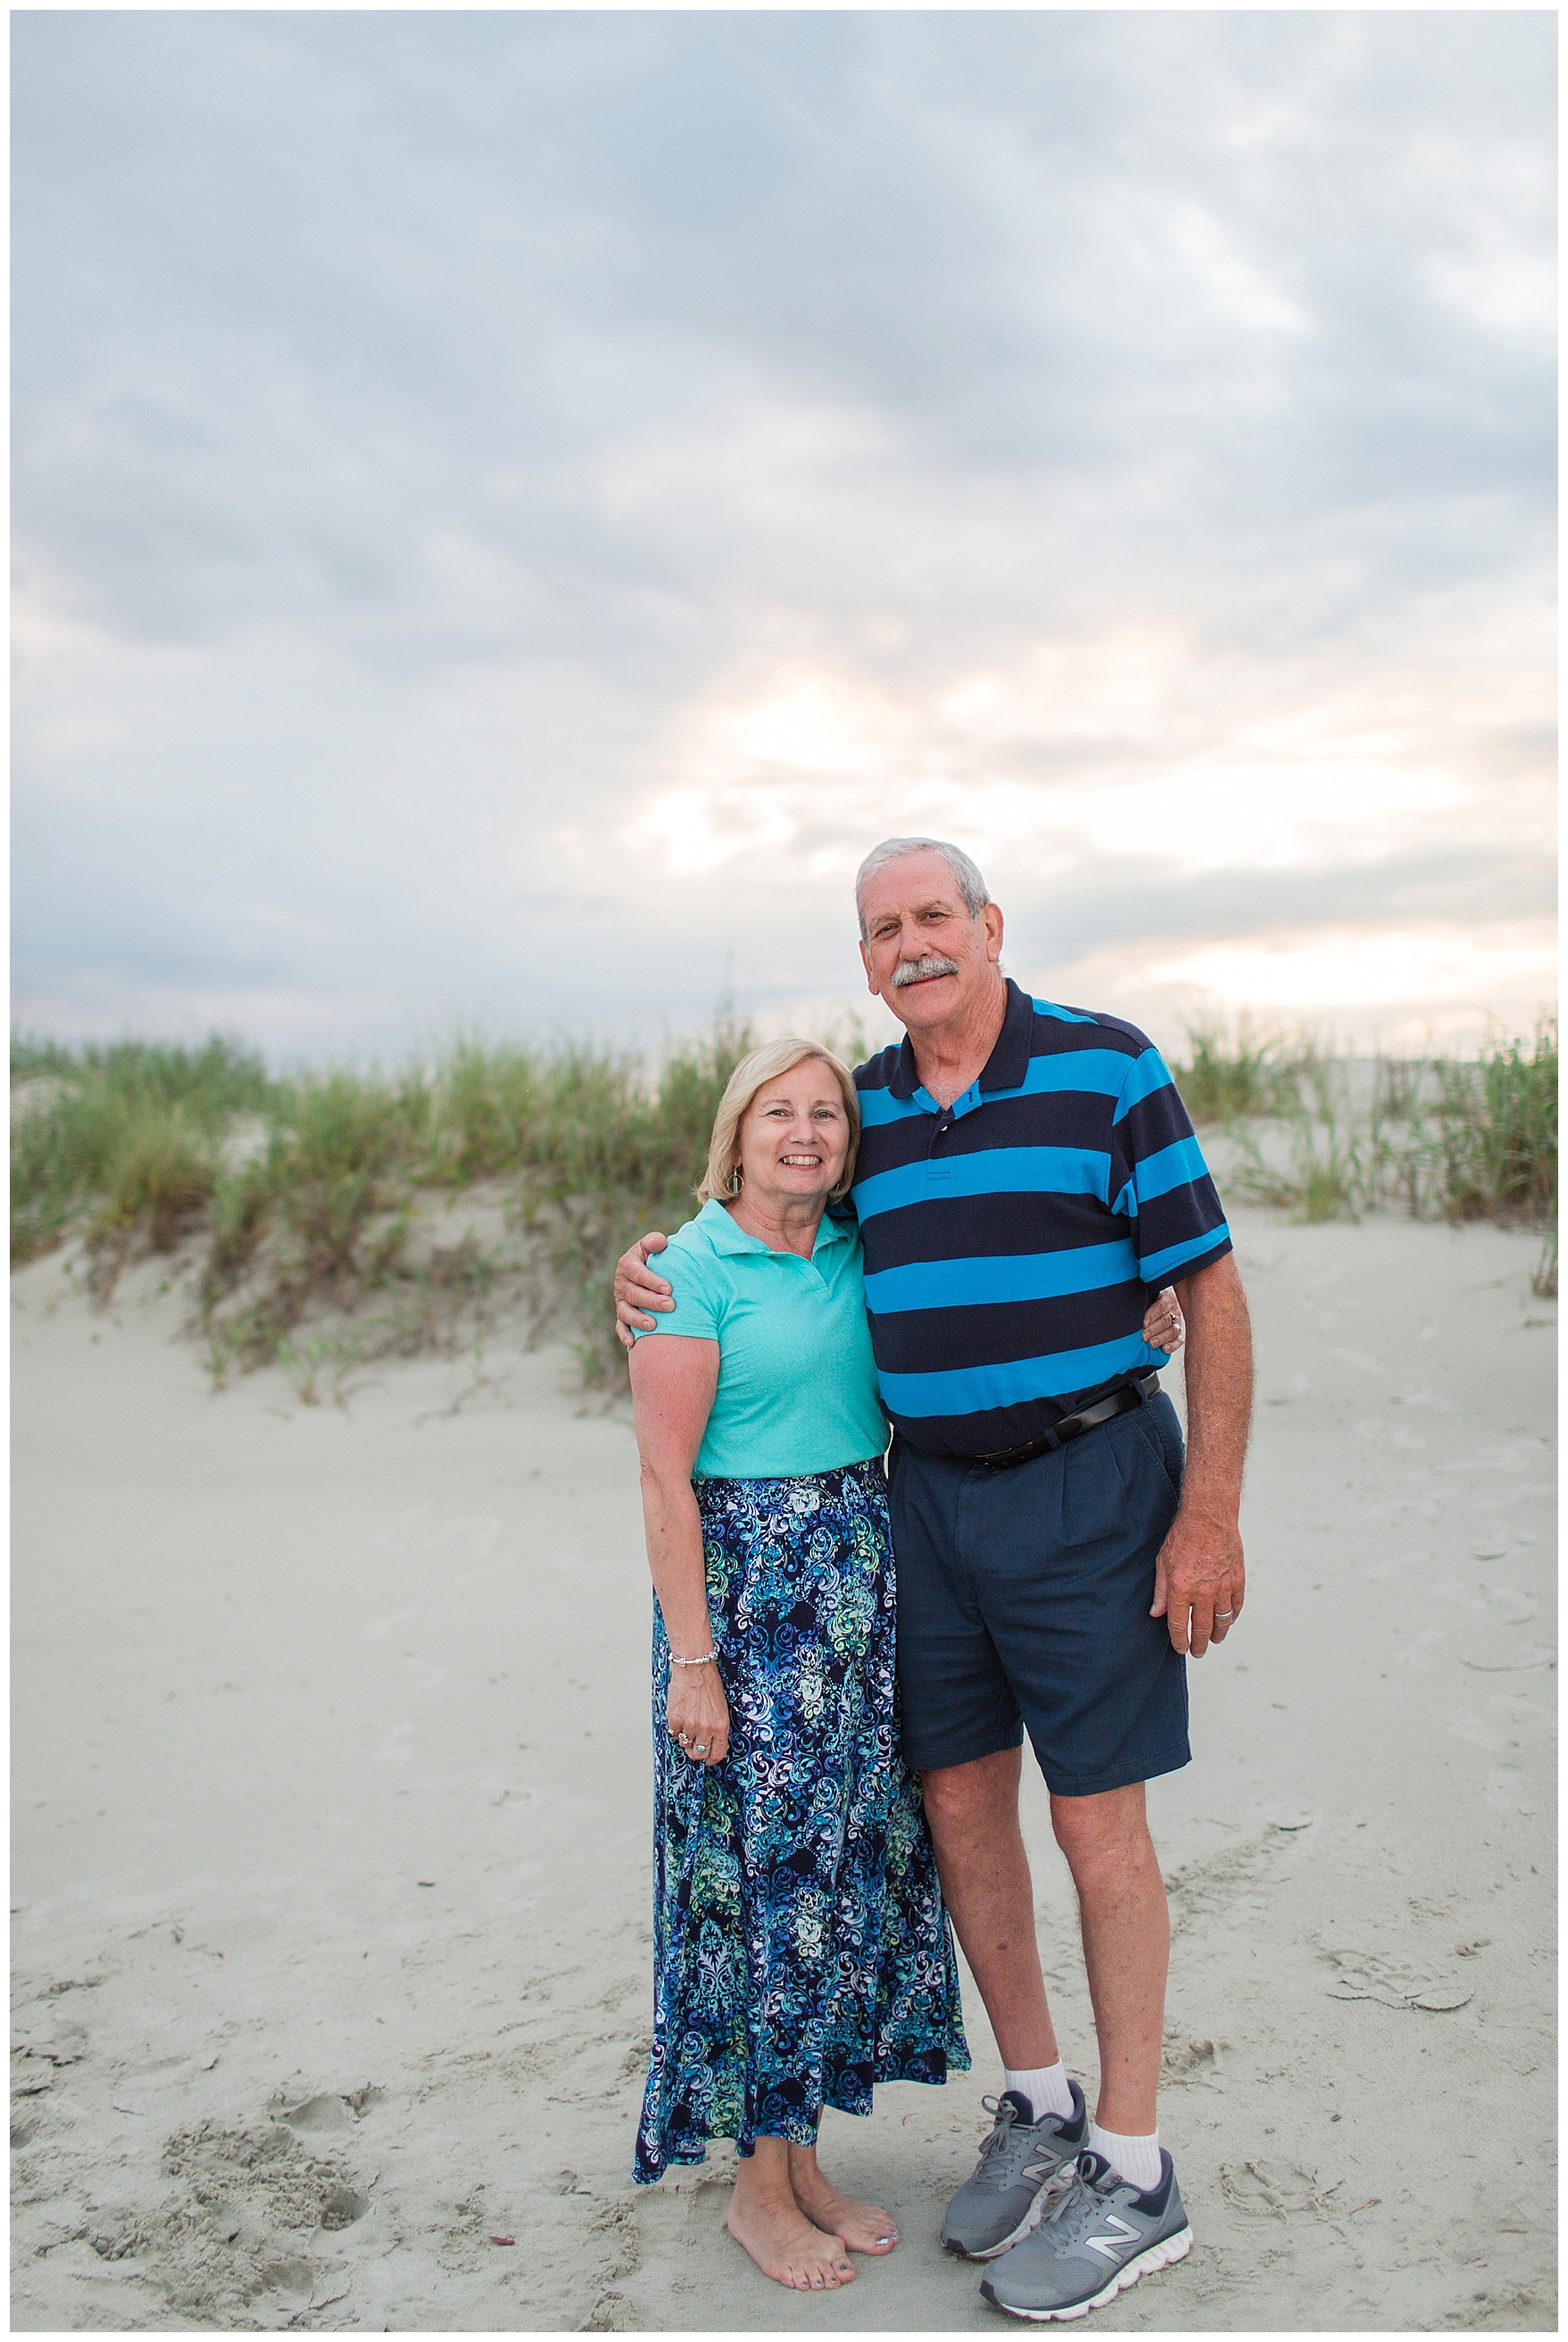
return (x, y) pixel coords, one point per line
(1192, 2060)
(1504, 1602)
(1523, 1659)
(244, 2232)
(1276, 2191)
(1370, 1975)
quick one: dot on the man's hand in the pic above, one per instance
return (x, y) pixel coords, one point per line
(1200, 1576)
(638, 1289)
(1200, 1581)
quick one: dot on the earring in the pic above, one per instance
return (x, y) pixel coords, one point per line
(735, 1180)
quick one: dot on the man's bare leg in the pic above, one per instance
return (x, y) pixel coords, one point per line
(973, 1811)
(1127, 1930)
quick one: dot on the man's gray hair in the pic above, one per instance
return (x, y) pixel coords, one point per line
(966, 877)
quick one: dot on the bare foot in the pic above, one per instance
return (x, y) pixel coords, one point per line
(783, 2243)
(864, 2227)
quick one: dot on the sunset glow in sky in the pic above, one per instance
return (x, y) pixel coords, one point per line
(509, 507)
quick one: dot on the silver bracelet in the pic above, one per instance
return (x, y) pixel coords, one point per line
(694, 1663)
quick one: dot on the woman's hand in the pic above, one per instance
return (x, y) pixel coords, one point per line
(698, 1714)
(1164, 1328)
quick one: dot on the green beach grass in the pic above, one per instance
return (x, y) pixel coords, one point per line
(315, 1214)
(308, 1202)
(1330, 1137)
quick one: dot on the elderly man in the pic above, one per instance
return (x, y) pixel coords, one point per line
(1027, 1176)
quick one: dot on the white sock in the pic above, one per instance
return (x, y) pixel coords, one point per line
(1043, 2087)
(1137, 2160)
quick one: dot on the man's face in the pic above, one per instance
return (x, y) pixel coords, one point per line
(924, 954)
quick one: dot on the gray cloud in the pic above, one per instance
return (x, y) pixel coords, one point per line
(471, 466)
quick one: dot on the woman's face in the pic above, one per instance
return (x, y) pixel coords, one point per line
(795, 1134)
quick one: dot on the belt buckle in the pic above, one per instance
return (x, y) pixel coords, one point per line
(1006, 1458)
(1135, 1392)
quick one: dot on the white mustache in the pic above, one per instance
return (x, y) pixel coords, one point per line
(915, 971)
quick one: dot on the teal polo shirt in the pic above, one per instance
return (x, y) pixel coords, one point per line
(797, 1381)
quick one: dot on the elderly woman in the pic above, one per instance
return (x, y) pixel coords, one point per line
(801, 1953)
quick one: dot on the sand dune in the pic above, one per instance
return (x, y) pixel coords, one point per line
(332, 1864)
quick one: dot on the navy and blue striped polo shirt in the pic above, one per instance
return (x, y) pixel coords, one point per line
(1013, 1239)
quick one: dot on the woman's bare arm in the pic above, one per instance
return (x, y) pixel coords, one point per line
(674, 1379)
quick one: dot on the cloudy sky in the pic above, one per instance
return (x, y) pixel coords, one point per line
(510, 507)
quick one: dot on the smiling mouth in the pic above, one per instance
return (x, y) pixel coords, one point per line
(803, 1162)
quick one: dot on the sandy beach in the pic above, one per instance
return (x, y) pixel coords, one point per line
(331, 1847)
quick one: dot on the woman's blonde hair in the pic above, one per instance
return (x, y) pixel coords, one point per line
(753, 1072)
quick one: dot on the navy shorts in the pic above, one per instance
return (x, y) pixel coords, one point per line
(1023, 1601)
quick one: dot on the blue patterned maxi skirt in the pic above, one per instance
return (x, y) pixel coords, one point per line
(801, 1949)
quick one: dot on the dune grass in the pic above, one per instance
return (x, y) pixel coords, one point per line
(1441, 1137)
(1496, 1124)
(128, 1136)
(1236, 1073)
(305, 1203)
(311, 1212)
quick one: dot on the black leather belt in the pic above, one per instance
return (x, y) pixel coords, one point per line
(1074, 1426)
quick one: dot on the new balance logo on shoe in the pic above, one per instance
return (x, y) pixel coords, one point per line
(1111, 2246)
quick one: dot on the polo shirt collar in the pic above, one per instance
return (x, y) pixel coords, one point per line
(1008, 1064)
(725, 1233)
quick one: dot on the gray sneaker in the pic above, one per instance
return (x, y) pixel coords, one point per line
(1101, 2234)
(1021, 2164)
